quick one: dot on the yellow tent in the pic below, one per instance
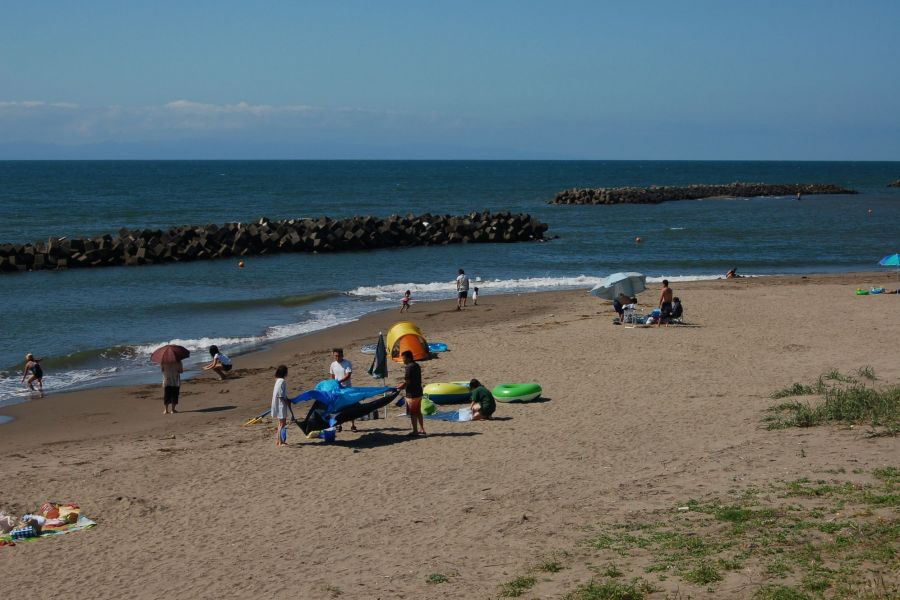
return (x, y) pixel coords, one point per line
(404, 336)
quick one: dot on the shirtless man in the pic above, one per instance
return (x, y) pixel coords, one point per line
(665, 303)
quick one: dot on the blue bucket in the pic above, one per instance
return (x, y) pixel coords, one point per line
(328, 435)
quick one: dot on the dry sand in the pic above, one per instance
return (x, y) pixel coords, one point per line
(196, 506)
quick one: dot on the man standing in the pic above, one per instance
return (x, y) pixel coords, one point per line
(462, 290)
(412, 384)
(341, 370)
(665, 303)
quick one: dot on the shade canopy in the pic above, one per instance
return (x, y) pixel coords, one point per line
(629, 283)
(892, 260)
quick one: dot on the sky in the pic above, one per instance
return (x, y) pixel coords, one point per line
(638, 79)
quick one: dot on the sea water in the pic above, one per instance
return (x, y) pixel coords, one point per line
(100, 325)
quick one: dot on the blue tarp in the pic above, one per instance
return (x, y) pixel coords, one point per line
(335, 398)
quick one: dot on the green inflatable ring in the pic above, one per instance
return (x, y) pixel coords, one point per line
(516, 392)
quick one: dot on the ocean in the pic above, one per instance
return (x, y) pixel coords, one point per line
(98, 326)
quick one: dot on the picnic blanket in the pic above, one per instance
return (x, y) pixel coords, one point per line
(57, 526)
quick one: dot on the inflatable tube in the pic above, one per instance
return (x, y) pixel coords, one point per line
(447, 393)
(433, 347)
(516, 392)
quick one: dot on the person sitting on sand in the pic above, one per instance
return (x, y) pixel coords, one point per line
(33, 372)
(412, 384)
(665, 303)
(404, 302)
(483, 405)
(280, 409)
(620, 303)
(731, 274)
(221, 364)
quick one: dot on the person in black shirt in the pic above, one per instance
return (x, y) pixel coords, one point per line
(412, 383)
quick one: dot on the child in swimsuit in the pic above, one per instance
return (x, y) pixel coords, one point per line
(404, 302)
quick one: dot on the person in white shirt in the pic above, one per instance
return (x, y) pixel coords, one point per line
(341, 370)
(221, 364)
(280, 401)
(462, 290)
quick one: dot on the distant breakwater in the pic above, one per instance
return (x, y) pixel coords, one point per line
(656, 194)
(204, 242)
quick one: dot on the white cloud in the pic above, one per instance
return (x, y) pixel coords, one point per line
(36, 104)
(68, 123)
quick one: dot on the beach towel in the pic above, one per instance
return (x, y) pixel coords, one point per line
(58, 526)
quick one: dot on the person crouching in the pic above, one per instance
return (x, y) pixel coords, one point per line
(483, 404)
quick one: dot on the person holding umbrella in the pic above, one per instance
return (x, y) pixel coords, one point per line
(171, 373)
(169, 358)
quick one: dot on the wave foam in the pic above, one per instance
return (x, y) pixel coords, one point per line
(447, 289)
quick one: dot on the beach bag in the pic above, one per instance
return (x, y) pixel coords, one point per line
(428, 407)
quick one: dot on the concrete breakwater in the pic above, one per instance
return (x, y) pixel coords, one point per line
(203, 242)
(657, 194)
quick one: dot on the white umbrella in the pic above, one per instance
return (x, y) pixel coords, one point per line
(629, 284)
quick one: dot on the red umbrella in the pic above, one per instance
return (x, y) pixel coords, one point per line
(169, 353)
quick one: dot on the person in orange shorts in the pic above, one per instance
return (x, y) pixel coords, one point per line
(412, 384)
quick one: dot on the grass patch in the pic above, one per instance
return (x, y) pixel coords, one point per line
(636, 589)
(846, 400)
(779, 592)
(612, 571)
(797, 389)
(517, 587)
(825, 537)
(436, 579)
(550, 565)
(703, 574)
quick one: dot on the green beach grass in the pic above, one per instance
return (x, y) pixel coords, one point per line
(846, 399)
(797, 539)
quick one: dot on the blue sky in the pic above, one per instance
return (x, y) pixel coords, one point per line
(804, 80)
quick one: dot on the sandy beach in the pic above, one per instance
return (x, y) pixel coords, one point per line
(195, 505)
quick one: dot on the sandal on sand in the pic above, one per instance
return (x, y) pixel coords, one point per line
(412, 434)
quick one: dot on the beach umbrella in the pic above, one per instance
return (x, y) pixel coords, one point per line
(629, 284)
(169, 353)
(379, 368)
(892, 260)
